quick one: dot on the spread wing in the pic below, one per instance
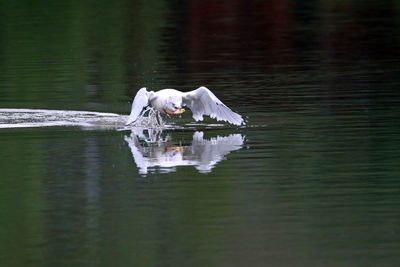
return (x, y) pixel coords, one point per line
(203, 102)
(139, 105)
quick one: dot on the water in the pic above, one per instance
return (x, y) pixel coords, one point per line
(311, 180)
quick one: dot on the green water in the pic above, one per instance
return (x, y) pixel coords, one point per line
(315, 181)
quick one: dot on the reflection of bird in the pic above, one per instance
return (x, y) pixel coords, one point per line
(153, 152)
(170, 101)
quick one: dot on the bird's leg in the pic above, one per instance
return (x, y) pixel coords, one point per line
(158, 136)
(158, 119)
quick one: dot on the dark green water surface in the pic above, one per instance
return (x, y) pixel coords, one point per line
(313, 179)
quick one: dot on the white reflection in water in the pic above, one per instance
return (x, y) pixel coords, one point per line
(156, 151)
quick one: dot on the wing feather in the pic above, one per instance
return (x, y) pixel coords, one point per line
(139, 105)
(203, 102)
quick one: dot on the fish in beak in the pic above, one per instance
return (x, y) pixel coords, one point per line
(177, 111)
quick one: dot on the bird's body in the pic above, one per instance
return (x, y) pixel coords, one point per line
(159, 100)
(170, 101)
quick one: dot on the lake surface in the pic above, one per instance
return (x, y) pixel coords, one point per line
(312, 179)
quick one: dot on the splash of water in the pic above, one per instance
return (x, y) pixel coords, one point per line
(152, 120)
(26, 118)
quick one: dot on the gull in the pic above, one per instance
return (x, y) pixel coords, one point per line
(171, 102)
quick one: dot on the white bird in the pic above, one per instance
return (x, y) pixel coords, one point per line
(170, 101)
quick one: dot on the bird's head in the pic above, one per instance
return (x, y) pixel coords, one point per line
(174, 106)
